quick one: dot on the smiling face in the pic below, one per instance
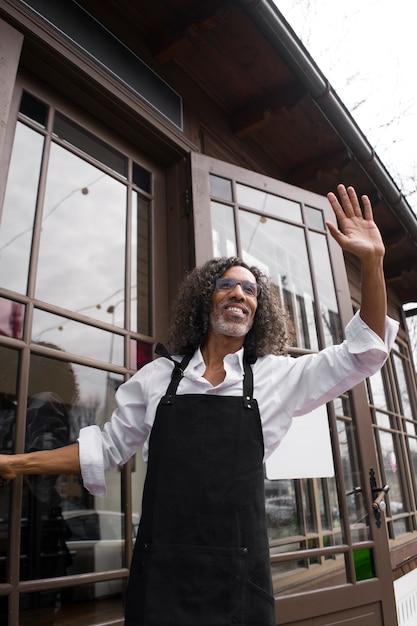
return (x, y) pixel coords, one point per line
(233, 311)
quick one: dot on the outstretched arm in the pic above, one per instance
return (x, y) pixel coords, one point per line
(357, 233)
(59, 461)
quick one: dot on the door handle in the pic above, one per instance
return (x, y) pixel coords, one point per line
(379, 502)
(378, 495)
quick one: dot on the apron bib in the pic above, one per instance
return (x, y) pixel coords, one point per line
(201, 557)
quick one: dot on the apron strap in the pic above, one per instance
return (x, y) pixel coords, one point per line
(180, 367)
(177, 372)
(248, 401)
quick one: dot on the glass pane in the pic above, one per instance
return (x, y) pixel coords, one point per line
(82, 248)
(377, 391)
(401, 367)
(82, 139)
(281, 509)
(11, 318)
(140, 353)
(268, 203)
(280, 250)
(351, 474)
(297, 575)
(410, 427)
(140, 266)
(221, 188)
(223, 230)
(412, 453)
(326, 290)
(19, 208)
(382, 419)
(400, 527)
(34, 109)
(141, 177)
(9, 361)
(314, 217)
(64, 529)
(309, 509)
(62, 333)
(364, 564)
(391, 471)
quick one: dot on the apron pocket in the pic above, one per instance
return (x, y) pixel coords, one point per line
(188, 585)
(259, 606)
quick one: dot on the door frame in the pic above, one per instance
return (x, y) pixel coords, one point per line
(374, 597)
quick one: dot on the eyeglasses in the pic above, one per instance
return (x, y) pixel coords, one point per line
(248, 288)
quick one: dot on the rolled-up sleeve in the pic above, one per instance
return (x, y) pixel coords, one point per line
(103, 449)
(288, 386)
(91, 460)
(336, 369)
(360, 339)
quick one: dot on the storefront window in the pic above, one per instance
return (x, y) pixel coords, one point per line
(269, 231)
(395, 419)
(19, 207)
(9, 363)
(83, 226)
(75, 249)
(308, 517)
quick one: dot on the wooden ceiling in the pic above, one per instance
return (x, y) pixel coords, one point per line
(245, 62)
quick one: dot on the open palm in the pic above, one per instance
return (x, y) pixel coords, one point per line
(357, 232)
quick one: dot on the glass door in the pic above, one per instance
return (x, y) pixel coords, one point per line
(326, 539)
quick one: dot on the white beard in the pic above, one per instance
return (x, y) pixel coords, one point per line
(236, 327)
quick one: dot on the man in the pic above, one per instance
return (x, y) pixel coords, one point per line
(207, 420)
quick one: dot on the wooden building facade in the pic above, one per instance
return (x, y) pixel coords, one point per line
(137, 140)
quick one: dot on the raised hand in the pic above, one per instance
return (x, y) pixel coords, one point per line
(357, 232)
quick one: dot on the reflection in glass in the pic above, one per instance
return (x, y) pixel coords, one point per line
(223, 230)
(19, 208)
(220, 188)
(281, 509)
(268, 203)
(141, 353)
(364, 564)
(382, 419)
(77, 136)
(280, 251)
(11, 318)
(410, 427)
(78, 338)
(326, 289)
(81, 257)
(292, 576)
(34, 109)
(376, 391)
(401, 367)
(9, 361)
(351, 471)
(390, 471)
(141, 178)
(62, 398)
(140, 266)
(309, 509)
(412, 453)
(314, 217)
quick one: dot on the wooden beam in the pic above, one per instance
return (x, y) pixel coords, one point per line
(175, 38)
(257, 114)
(331, 163)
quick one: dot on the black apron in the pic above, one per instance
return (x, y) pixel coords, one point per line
(201, 557)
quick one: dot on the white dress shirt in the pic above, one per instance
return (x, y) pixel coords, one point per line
(284, 387)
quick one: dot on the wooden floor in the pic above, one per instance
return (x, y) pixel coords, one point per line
(93, 613)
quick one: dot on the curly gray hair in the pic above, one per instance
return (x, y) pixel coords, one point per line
(271, 332)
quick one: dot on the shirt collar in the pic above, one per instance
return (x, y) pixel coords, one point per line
(233, 362)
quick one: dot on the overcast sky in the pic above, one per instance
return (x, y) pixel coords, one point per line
(368, 49)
